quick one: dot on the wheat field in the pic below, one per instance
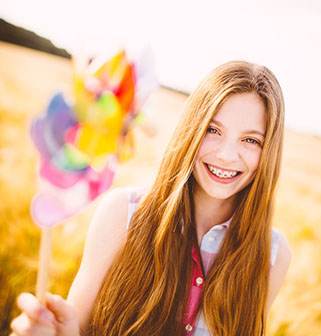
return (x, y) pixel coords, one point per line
(27, 80)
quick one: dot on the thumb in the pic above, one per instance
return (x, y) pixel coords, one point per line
(62, 309)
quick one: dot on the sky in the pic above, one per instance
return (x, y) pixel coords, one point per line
(190, 38)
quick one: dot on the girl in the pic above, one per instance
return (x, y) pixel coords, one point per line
(196, 254)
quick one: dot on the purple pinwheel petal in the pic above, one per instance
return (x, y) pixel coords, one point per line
(48, 133)
(39, 139)
(60, 117)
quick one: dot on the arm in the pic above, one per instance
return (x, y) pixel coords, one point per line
(279, 269)
(105, 238)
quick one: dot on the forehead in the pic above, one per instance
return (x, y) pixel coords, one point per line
(242, 111)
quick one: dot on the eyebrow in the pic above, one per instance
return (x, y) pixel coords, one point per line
(246, 131)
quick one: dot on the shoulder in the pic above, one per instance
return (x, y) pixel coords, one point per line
(284, 252)
(280, 267)
(115, 209)
(113, 205)
(110, 215)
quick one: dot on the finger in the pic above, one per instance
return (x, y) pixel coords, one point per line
(21, 325)
(30, 305)
(63, 310)
(24, 326)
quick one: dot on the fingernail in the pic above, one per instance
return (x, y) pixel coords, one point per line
(46, 317)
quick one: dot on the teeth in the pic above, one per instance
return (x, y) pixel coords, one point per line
(220, 173)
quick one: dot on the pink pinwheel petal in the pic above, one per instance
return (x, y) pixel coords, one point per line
(71, 134)
(100, 182)
(98, 186)
(47, 211)
(59, 178)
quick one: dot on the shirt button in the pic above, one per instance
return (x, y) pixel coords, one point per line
(188, 327)
(199, 281)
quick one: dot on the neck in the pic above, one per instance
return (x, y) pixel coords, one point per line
(209, 212)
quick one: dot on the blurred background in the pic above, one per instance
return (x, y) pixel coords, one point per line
(188, 39)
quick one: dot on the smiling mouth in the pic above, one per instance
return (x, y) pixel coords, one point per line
(222, 173)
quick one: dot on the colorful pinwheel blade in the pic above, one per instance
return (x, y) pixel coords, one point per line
(81, 144)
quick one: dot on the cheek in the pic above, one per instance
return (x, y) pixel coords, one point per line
(201, 150)
(253, 160)
(207, 146)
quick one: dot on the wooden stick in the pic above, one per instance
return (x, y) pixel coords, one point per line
(44, 265)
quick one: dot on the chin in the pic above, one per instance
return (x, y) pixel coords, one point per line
(222, 195)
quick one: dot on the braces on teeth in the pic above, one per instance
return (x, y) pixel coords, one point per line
(220, 173)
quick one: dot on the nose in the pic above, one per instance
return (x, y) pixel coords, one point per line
(227, 151)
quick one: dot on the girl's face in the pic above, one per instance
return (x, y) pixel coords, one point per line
(230, 152)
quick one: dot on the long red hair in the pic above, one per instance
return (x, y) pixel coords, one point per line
(145, 290)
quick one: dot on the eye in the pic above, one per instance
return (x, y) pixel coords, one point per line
(252, 141)
(212, 130)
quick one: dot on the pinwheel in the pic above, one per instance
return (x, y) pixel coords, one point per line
(82, 138)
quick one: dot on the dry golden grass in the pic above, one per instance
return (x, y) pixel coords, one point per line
(27, 79)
